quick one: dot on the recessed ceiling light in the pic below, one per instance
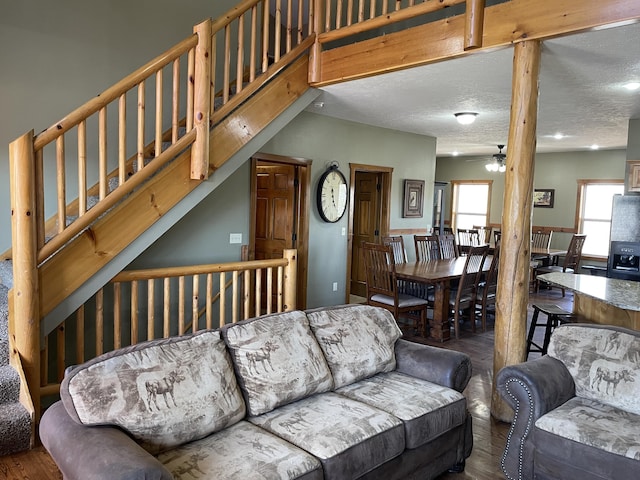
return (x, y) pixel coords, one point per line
(455, 154)
(465, 118)
(318, 104)
(594, 147)
(558, 136)
(632, 86)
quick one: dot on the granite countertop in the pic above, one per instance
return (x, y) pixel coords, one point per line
(623, 294)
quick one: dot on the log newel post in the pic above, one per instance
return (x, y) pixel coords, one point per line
(515, 251)
(202, 102)
(290, 279)
(474, 22)
(26, 291)
(316, 48)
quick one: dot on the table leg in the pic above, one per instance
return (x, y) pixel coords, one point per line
(440, 324)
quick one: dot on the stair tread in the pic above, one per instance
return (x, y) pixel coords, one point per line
(9, 385)
(15, 428)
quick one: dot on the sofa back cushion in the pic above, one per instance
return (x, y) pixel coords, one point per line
(277, 360)
(358, 341)
(603, 362)
(164, 392)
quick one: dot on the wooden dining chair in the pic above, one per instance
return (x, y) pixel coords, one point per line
(497, 237)
(484, 233)
(541, 239)
(467, 238)
(397, 244)
(486, 289)
(463, 297)
(427, 247)
(571, 260)
(382, 287)
(448, 246)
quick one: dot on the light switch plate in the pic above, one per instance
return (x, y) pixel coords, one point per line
(235, 238)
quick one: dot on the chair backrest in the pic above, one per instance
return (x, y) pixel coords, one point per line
(448, 247)
(497, 237)
(574, 252)
(541, 239)
(472, 271)
(467, 237)
(427, 247)
(397, 244)
(484, 233)
(491, 276)
(380, 270)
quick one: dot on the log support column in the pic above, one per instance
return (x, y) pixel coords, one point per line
(513, 280)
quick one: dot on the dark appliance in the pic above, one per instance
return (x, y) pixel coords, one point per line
(624, 250)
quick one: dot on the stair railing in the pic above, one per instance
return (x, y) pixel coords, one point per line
(140, 305)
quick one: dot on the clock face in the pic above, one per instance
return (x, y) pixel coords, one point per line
(332, 196)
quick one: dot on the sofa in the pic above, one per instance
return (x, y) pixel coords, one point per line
(331, 393)
(576, 409)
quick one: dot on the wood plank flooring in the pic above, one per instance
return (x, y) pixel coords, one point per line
(489, 435)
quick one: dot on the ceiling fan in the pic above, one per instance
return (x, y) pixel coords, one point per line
(498, 162)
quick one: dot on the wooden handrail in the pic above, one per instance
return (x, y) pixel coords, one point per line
(236, 12)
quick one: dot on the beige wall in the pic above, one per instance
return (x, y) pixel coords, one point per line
(558, 171)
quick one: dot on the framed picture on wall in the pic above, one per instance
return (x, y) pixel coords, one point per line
(413, 198)
(543, 197)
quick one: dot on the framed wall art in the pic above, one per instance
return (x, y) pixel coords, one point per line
(543, 197)
(413, 198)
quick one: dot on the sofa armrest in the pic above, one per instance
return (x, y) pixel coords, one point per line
(92, 453)
(445, 367)
(532, 389)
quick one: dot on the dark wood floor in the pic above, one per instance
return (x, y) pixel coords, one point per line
(489, 435)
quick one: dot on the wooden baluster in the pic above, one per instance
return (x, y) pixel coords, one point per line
(159, 108)
(180, 305)
(300, 23)
(175, 101)
(102, 151)
(122, 139)
(246, 311)
(360, 11)
(240, 55)
(338, 14)
(385, 7)
(234, 297)
(226, 65)
(254, 34)
(212, 74)
(223, 298)
(44, 363)
(289, 27)
(258, 292)
(372, 8)
(474, 22)
(134, 313)
(39, 198)
(195, 300)
(141, 102)
(191, 72)
(209, 309)
(202, 103)
(60, 352)
(82, 168)
(265, 36)
(61, 184)
(166, 331)
(349, 12)
(80, 334)
(117, 315)
(398, 5)
(327, 15)
(269, 290)
(279, 286)
(100, 322)
(277, 31)
(151, 307)
(290, 280)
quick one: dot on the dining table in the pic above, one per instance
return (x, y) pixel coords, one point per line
(438, 273)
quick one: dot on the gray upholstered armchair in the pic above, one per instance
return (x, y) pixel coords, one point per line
(577, 409)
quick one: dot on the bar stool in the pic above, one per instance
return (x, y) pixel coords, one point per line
(555, 316)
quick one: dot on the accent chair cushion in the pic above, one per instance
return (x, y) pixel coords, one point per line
(602, 361)
(358, 341)
(165, 392)
(277, 360)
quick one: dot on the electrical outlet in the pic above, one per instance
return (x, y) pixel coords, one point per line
(235, 238)
(335, 286)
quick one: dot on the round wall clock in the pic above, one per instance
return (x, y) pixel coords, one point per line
(332, 195)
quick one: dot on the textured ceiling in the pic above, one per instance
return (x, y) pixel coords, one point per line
(581, 96)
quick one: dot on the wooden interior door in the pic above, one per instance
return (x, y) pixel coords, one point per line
(367, 216)
(276, 208)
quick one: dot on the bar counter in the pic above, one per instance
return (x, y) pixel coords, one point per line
(600, 299)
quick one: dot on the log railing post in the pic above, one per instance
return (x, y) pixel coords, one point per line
(316, 49)
(515, 248)
(290, 286)
(202, 102)
(26, 324)
(474, 22)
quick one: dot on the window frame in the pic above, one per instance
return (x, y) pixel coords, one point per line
(580, 205)
(455, 185)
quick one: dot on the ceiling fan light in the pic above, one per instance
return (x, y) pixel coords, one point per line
(502, 168)
(465, 118)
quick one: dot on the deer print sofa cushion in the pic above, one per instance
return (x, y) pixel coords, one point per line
(358, 341)
(164, 392)
(277, 360)
(603, 363)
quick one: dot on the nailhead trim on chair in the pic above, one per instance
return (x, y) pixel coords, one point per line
(526, 433)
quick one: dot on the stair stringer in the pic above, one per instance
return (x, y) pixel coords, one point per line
(253, 143)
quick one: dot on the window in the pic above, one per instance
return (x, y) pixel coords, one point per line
(471, 200)
(594, 217)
